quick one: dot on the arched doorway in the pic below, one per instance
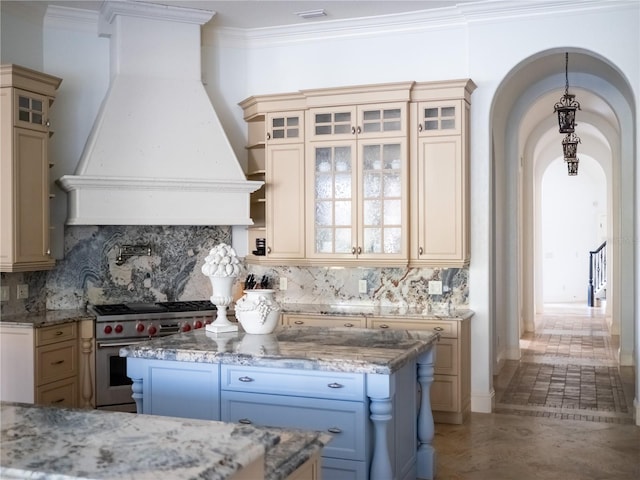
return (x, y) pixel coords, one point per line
(523, 129)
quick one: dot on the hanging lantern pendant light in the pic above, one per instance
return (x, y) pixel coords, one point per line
(567, 106)
(570, 151)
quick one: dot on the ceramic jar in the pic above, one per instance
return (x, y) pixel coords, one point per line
(257, 311)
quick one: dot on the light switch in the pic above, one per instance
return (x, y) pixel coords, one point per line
(23, 291)
(283, 283)
(435, 287)
(4, 293)
(362, 286)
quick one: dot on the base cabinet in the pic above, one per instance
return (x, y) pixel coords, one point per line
(40, 365)
(451, 388)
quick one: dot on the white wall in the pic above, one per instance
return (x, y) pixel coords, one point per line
(571, 209)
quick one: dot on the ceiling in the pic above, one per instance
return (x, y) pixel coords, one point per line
(269, 13)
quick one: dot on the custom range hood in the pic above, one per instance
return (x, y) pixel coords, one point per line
(157, 153)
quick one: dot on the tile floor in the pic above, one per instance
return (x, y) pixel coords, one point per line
(564, 411)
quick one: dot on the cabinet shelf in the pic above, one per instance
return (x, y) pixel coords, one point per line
(256, 145)
(256, 173)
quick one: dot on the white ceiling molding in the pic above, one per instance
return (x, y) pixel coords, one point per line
(67, 18)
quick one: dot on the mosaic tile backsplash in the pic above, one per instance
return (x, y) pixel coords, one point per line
(89, 273)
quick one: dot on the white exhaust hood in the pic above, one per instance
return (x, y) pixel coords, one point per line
(157, 153)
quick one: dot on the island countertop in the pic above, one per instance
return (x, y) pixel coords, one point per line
(310, 348)
(39, 442)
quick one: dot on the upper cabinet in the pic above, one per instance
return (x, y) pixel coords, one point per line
(440, 233)
(276, 156)
(357, 195)
(368, 175)
(25, 98)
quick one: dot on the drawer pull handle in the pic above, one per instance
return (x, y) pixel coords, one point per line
(59, 362)
(246, 379)
(245, 421)
(384, 325)
(438, 329)
(60, 400)
(348, 324)
(334, 430)
(335, 385)
(299, 322)
(59, 332)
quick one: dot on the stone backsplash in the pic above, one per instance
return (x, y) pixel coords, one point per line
(89, 273)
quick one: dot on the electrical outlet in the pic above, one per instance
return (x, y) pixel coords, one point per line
(362, 286)
(283, 283)
(435, 287)
(4, 293)
(23, 291)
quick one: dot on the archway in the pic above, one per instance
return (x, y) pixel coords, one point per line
(522, 115)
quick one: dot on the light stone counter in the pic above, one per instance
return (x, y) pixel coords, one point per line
(401, 311)
(46, 318)
(309, 348)
(58, 443)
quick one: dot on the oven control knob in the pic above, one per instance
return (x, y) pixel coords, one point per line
(140, 328)
(186, 327)
(107, 329)
(119, 329)
(198, 324)
(152, 330)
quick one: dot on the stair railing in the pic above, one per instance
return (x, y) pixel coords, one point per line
(597, 271)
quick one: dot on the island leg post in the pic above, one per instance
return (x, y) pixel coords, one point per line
(136, 388)
(426, 461)
(380, 390)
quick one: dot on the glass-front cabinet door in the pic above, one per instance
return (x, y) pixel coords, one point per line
(357, 200)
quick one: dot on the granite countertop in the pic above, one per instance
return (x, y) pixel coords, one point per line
(43, 442)
(400, 311)
(312, 348)
(46, 318)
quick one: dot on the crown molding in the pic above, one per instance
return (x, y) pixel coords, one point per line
(69, 18)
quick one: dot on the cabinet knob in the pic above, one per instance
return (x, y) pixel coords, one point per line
(268, 136)
(384, 325)
(358, 130)
(47, 123)
(299, 322)
(335, 385)
(353, 250)
(353, 130)
(60, 400)
(268, 249)
(245, 421)
(59, 362)
(246, 379)
(334, 430)
(420, 250)
(359, 250)
(419, 127)
(438, 329)
(348, 324)
(48, 251)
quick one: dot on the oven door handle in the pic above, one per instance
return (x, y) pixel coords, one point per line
(117, 344)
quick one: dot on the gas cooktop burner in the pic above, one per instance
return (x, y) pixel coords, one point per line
(158, 307)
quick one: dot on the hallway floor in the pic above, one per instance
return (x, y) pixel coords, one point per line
(565, 410)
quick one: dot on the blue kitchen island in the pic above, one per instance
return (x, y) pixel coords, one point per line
(367, 388)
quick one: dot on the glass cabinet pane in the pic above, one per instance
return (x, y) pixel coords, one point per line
(30, 110)
(285, 127)
(440, 118)
(382, 120)
(333, 199)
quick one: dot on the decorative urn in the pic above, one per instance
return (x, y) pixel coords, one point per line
(257, 311)
(222, 267)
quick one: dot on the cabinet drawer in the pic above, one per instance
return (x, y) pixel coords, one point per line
(55, 362)
(299, 383)
(446, 328)
(338, 469)
(325, 321)
(62, 393)
(344, 420)
(55, 333)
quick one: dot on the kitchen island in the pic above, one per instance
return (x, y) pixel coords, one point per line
(368, 388)
(48, 442)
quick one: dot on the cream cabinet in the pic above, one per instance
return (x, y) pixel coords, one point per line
(451, 388)
(276, 156)
(440, 235)
(25, 98)
(372, 175)
(40, 365)
(357, 196)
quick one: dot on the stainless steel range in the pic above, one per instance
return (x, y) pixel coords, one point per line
(124, 324)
